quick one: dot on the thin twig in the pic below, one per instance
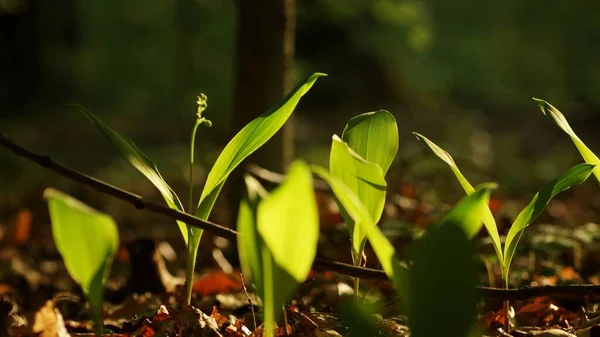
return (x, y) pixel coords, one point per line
(278, 178)
(230, 234)
(249, 300)
(100, 186)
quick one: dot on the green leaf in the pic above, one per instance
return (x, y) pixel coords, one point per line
(288, 225)
(254, 135)
(249, 139)
(374, 137)
(574, 176)
(358, 212)
(140, 161)
(470, 211)
(559, 120)
(442, 283)
(488, 218)
(249, 242)
(87, 240)
(289, 218)
(442, 260)
(366, 180)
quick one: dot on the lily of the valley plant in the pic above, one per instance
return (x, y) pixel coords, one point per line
(246, 142)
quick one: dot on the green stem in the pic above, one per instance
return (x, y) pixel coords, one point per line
(356, 259)
(189, 267)
(269, 305)
(191, 181)
(506, 308)
(191, 244)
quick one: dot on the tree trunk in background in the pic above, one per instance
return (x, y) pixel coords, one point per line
(265, 50)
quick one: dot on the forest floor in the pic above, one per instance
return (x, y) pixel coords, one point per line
(144, 290)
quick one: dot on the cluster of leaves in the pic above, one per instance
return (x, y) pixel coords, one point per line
(279, 230)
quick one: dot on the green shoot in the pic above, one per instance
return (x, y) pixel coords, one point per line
(246, 142)
(278, 238)
(87, 240)
(559, 120)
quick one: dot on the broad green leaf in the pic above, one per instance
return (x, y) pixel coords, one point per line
(140, 161)
(249, 242)
(358, 212)
(442, 283)
(488, 218)
(366, 180)
(254, 135)
(288, 225)
(374, 137)
(289, 218)
(249, 139)
(574, 176)
(87, 240)
(470, 211)
(559, 120)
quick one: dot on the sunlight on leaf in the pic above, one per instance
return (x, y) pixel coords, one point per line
(367, 182)
(249, 242)
(470, 211)
(248, 140)
(574, 176)
(140, 161)
(385, 252)
(374, 137)
(289, 218)
(279, 237)
(488, 217)
(87, 240)
(559, 120)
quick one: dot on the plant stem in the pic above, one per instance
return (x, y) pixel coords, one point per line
(192, 250)
(189, 267)
(191, 181)
(356, 259)
(506, 307)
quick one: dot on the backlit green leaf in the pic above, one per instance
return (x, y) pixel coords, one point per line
(488, 218)
(248, 140)
(249, 242)
(87, 240)
(288, 226)
(254, 135)
(366, 180)
(289, 218)
(374, 137)
(559, 120)
(574, 176)
(470, 211)
(140, 161)
(386, 254)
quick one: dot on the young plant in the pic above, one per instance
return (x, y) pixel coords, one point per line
(361, 159)
(278, 238)
(559, 120)
(87, 240)
(246, 142)
(574, 176)
(442, 258)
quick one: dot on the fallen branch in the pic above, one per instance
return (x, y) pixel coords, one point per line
(320, 264)
(278, 178)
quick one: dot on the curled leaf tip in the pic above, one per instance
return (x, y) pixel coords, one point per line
(202, 103)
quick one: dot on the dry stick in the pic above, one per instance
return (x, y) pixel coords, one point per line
(249, 300)
(230, 234)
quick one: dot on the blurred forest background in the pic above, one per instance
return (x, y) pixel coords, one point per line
(460, 72)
